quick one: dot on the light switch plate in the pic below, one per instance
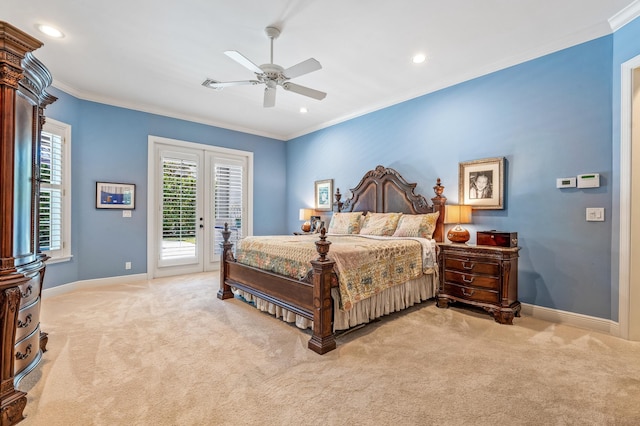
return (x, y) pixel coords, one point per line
(595, 214)
(126, 213)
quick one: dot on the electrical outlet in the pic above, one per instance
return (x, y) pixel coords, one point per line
(127, 265)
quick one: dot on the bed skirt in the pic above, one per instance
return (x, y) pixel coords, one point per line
(390, 300)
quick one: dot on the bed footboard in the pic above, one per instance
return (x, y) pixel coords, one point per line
(311, 300)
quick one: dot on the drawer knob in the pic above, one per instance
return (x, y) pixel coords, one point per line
(467, 280)
(467, 266)
(27, 352)
(469, 294)
(26, 322)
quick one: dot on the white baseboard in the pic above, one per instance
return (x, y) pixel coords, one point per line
(577, 320)
(77, 285)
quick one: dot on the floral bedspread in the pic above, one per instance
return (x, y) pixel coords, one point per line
(365, 265)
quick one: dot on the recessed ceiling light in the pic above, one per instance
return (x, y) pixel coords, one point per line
(419, 58)
(50, 31)
(303, 110)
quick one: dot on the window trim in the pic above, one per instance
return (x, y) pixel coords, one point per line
(64, 130)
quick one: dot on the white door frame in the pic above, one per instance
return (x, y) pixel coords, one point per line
(629, 279)
(153, 205)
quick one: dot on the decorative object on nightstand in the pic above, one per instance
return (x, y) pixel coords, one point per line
(315, 222)
(483, 276)
(497, 238)
(457, 214)
(305, 215)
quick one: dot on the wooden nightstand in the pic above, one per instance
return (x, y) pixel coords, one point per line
(484, 276)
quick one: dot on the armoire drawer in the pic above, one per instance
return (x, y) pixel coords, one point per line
(28, 319)
(30, 290)
(27, 350)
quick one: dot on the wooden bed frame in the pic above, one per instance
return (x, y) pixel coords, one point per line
(380, 190)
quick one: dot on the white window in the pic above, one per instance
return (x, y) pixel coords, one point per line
(55, 191)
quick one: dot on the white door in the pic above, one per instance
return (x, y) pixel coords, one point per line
(228, 200)
(194, 190)
(180, 218)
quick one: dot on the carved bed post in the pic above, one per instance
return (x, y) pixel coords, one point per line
(322, 340)
(339, 203)
(225, 290)
(438, 205)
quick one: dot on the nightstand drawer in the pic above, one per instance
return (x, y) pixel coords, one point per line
(471, 280)
(470, 293)
(472, 266)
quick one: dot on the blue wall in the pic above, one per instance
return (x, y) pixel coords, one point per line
(110, 144)
(549, 118)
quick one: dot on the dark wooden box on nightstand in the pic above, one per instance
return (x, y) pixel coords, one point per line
(497, 238)
(480, 275)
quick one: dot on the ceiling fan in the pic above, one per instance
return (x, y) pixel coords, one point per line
(272, 75)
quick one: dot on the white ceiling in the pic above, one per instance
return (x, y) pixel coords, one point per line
(153, 55)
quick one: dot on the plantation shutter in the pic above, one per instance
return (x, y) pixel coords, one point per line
(51, 192)
(228, 200)
(179, 204)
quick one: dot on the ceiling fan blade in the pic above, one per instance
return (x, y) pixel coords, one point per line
(269, 97)
(305, 91)
(242, 60)
(213, 84)
(304, 67)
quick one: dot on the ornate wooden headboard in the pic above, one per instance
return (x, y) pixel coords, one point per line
(384, 190)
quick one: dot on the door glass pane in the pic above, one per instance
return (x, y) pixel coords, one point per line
(179, 184)
(228, 202)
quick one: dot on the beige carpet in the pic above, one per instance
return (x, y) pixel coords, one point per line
(168, 352)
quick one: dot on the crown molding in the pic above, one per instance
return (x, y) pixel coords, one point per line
(85, 96)
(625, 16)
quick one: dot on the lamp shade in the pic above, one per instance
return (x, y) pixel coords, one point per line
(305, 214)
(457, 214)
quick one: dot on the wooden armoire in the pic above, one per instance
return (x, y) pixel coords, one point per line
(23, 80)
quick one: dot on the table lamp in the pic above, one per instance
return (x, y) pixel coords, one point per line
(457, 214)
(305, 215)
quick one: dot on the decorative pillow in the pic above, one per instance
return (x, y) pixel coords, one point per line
(417, 225)
(380, 223)
(345, 223)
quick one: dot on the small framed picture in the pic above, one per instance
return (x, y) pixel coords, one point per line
(110, 195)
(481, 183)
(324, 194)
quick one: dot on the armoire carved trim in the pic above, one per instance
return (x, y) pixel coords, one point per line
(23, 98)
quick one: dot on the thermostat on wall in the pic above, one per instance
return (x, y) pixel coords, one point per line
(566, 182)
(591, 180)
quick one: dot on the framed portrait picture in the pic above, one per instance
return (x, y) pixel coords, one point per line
(481, 183)
(110, 195)
(324, 194)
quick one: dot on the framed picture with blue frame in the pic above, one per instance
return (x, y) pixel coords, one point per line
(111, 195)
(324, 195)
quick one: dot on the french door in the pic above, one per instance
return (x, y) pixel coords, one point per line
(194, 190)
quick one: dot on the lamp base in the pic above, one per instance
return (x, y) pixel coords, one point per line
(458, 234)
(306, 227)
